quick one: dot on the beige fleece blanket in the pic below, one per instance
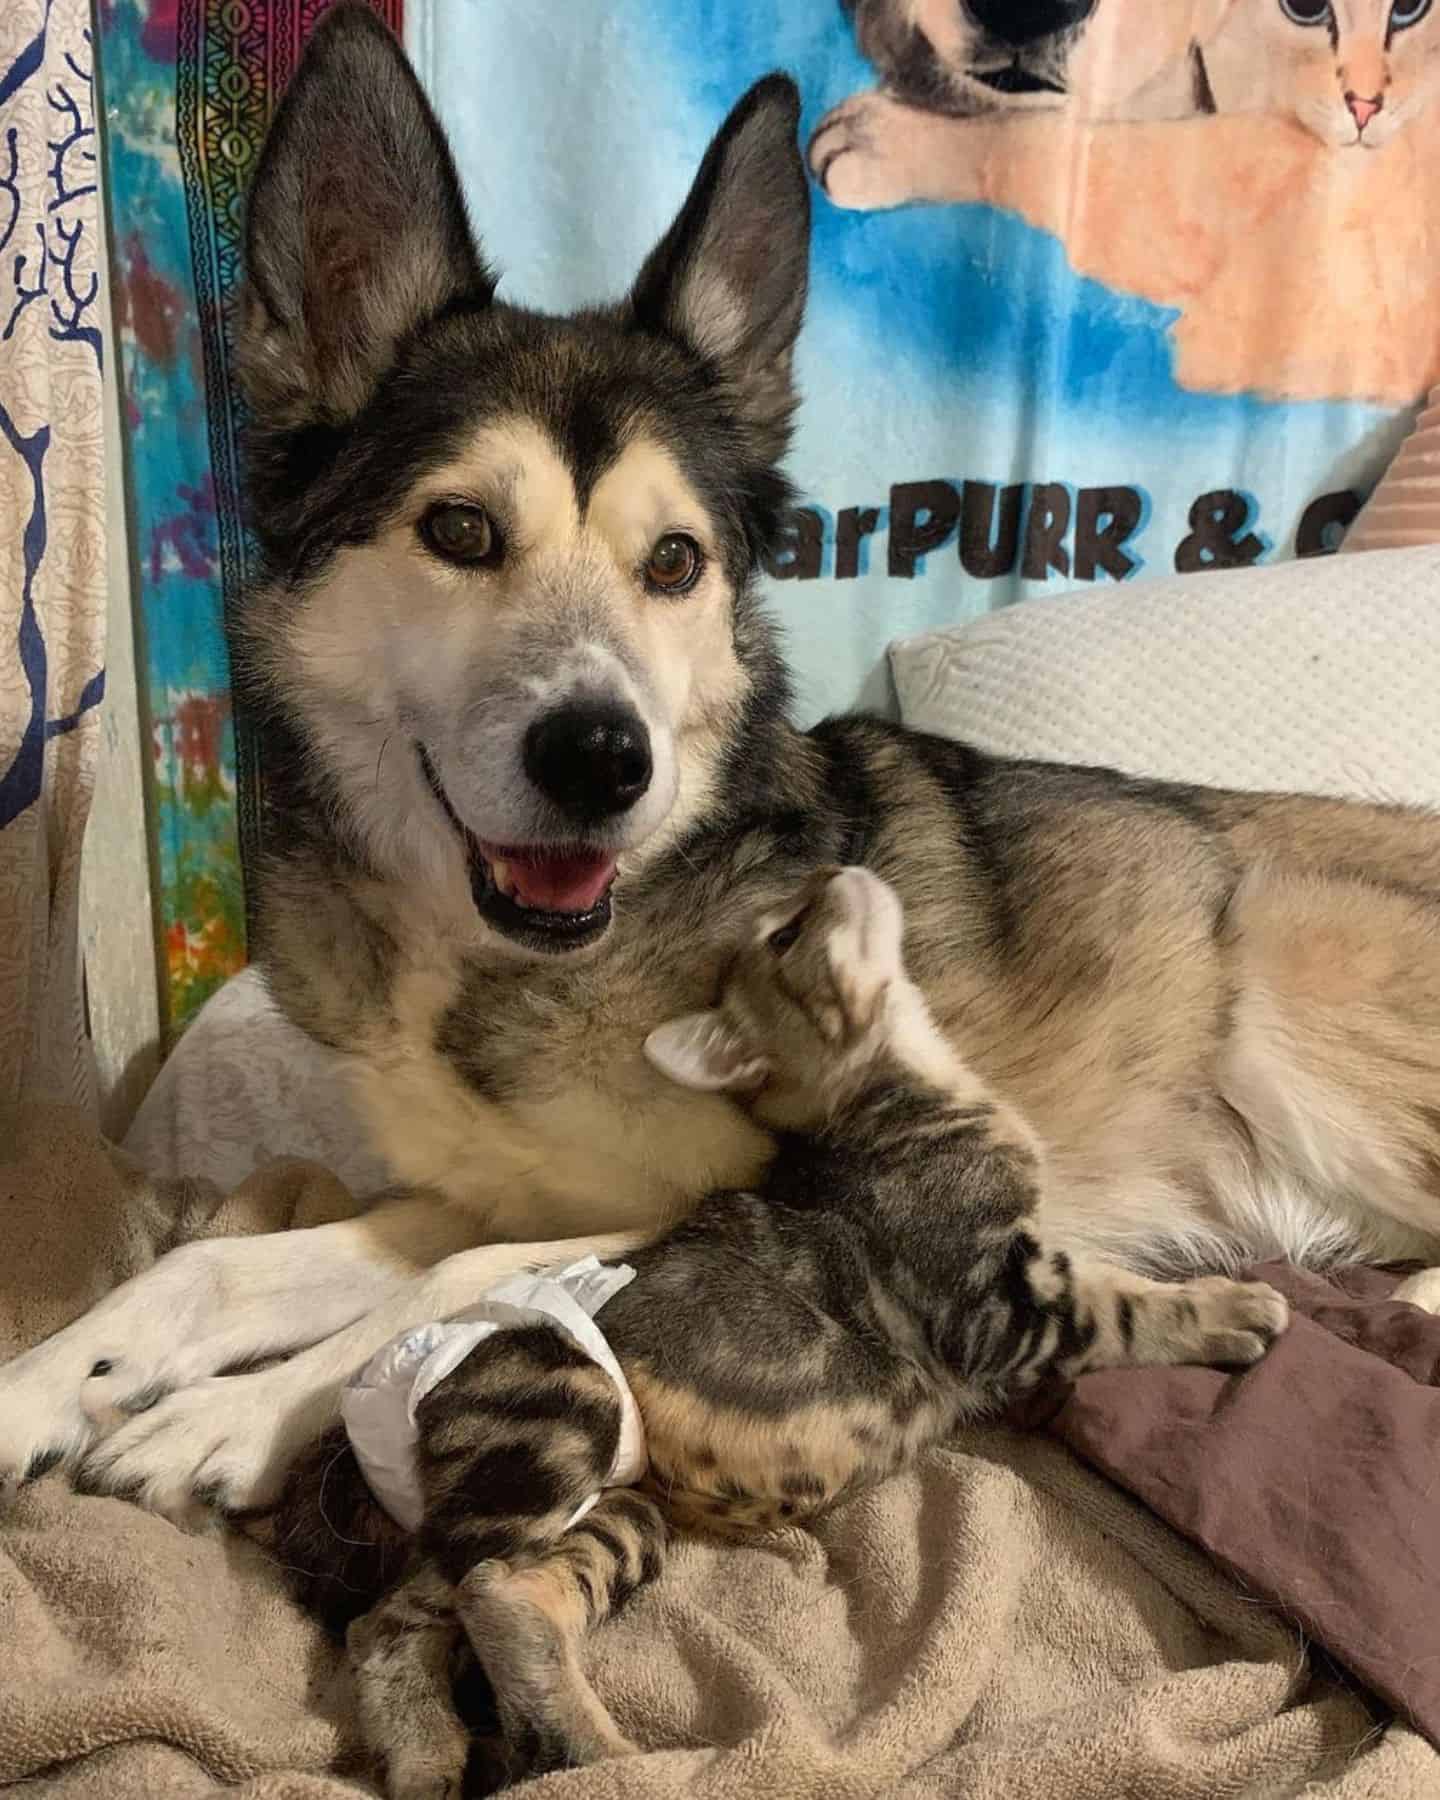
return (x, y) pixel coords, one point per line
(999, 1625)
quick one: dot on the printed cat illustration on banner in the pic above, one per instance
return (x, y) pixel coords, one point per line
(1355, 73)
(1262, 197)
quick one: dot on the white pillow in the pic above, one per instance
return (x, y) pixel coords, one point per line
(244, 1086)
(1320, 676)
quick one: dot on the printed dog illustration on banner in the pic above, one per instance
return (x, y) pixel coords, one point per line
(1255, 192)
(1098, 59)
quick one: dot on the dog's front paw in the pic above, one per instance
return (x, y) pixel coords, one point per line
(135, 1344)
(41, 1420)
(225, 1442)
(1236, 1321)
(868, 153)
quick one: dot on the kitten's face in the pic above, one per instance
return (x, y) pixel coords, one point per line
(1354, 71)
(803, 1012)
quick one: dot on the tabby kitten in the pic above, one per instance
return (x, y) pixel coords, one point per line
(784, 1346)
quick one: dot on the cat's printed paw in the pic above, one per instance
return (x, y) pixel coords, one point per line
(522, 1633)
(427, 1771)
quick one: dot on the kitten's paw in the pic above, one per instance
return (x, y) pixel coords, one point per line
(1422, 1290)
(1235, 1322)
(226, 1442)
(523, 1636)
(868, 153)
(402, 1656)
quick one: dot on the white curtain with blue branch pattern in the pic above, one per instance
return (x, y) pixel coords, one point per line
(52, 535)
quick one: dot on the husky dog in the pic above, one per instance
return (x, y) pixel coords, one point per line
(941, 62)
(784, 1346)
(534, 771)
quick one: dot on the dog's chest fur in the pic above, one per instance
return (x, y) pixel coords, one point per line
(521, 1089)
(528, 1097)
(1076, 934)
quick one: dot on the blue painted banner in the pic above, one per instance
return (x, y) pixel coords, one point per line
(1165, 304)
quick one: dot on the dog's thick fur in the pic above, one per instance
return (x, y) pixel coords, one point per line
(1220, 1013)
(785, 1347)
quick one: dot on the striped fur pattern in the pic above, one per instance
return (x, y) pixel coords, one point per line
(785, 1345)
(1219, 1013)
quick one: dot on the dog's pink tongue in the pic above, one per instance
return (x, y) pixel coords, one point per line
(562, 883)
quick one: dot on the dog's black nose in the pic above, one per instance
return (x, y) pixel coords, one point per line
(1022, 21)
(592, 758)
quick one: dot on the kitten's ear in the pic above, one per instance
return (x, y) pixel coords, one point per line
(356, 230)
(703, 1050)
(729, 276)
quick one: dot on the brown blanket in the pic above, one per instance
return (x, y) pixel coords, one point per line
(1001, 1624)
(1316, 1480)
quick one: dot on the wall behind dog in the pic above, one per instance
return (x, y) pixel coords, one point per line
(1161, 305)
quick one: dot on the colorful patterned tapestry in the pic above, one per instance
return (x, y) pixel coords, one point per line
(189, 89)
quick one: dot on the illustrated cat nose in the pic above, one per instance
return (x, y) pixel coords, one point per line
(592, 758)
(1020, 22)
(1363, 108)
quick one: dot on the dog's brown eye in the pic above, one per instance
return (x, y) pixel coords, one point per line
(462, 534)
(674, 563)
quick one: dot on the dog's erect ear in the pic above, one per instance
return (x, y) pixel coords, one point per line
(704, 1051)
(729, 276)
(356, 230)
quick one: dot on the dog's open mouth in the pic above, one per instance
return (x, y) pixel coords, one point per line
(1013, 79)
(548, 897)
